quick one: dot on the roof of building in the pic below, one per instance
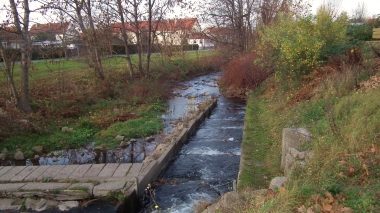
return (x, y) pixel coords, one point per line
(163, 25)
(58, 28)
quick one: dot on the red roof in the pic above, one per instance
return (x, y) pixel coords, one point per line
(58, 28)
(198, 36)
(163, 25)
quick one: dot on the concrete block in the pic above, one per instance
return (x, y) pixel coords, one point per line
(36, 173)
(24, 173)
(50, 172)
(292, 138)
(7, 204)
(5, 169)
(109, 169)
(80, 171)
(11, 186)
(122, 170)
(11, 173)
(45, 186)
(103, 189)
(89, 187)
(65, 172)
(94, 170)
(135, 170)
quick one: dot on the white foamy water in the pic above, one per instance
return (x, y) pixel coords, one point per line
(187, 207)
(210, 151)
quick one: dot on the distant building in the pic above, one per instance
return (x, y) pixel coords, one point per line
(53, 34)
(168, 32)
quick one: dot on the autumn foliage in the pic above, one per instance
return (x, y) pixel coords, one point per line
(242, 74)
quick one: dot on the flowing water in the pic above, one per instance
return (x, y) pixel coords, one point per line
(209, 162)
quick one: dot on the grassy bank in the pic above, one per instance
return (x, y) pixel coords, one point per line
(67, 94)
(344, 119)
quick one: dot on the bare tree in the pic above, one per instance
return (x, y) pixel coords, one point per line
(360, 13)
(232, 16)
(332, 7)
(82, 12)
(9, 55)
(20, 13)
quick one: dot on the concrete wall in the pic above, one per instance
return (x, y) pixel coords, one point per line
(150, 170)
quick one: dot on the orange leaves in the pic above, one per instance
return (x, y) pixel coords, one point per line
(360, 164)
(326, 204)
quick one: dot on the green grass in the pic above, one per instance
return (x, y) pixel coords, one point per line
(345, 128)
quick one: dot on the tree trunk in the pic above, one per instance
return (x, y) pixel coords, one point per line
(149, 48)
(125, 39)
(138, 37)
(24, 102)
(7, 68)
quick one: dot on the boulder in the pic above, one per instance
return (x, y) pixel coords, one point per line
(123, 144)
(38, 149)
(133, 140)
(67, 205)
(229, 202)
(277, 182)
(19, 156)
(149, 139)
(119, 137)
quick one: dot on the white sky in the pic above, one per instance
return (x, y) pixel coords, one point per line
(373, 6)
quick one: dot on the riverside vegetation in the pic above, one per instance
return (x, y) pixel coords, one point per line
(310, 73)
(67, 94)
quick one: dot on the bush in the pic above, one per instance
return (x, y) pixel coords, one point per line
(296, 47)
(242, 74)
(360, 32)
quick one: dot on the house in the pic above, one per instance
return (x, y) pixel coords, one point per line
(9, 38)
(169, 32)
(201, 39)
(54, 34)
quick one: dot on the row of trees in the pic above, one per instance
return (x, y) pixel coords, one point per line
(233, 25)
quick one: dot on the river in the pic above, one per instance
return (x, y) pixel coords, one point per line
(208, 164)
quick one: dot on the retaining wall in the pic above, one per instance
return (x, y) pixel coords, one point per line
(150, 170)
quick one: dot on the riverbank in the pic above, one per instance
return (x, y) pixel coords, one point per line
(71, 108)
(344, 121)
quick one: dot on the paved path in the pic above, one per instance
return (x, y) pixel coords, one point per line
(66, 182)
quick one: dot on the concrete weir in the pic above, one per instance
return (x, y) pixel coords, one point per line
(62, 184)
(153, 167)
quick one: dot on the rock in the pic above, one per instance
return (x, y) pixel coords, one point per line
(36, 157)
(277, 182)
(54, 159)
(66, 129)
(116, 110)
(67, 205)
(149, 139)
(133, 140)
(2, 156)
(119, 137)
(99, 148)
(19, 156)
(5, 150)
(294, 152)
(123, 144)
(41, 205)
(229, 202)
(30, 203)
(38, 149)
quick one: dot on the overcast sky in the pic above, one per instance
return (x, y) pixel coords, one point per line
(373, 6)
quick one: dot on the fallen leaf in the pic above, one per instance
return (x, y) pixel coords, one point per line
(374, 149)
(329, 198)
(281, 190)
(342, 162)
(301, 209)
(341, 174)
(271, 193)
(326, 207)
(310, 210)
(362, 154)
(351, 172)
(366, 169)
